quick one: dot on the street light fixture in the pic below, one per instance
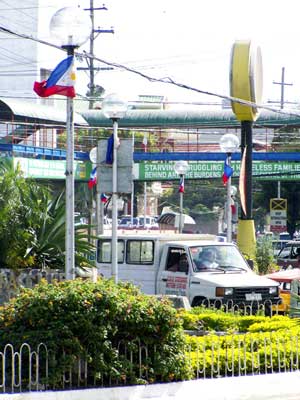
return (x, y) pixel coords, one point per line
(114, 107)
(181, 168)
(71, 28)
(229, 144)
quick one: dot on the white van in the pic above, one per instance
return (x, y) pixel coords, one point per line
(154, 262)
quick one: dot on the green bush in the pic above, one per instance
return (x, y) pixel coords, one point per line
(216, 320)
(264, 256)
(90, 320)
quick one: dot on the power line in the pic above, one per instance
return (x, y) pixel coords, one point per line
(165, 80)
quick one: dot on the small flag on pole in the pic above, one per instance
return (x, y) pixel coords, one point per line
(109, 159)
(93, 178)
(242, 182)
(181, 185)
(103, 198)
(61, 81)
(228, 171)
(110, 150)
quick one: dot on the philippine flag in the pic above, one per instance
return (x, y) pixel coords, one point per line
(181, 185)
(93, 178)
(228, 171)
(61, 81)
(103, 198)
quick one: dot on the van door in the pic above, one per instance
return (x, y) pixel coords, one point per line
(174, 275)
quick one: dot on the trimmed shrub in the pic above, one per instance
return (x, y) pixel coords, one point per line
(95, 321)
(216, 320)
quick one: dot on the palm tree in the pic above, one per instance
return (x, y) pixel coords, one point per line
(48, 246)
(32, 224)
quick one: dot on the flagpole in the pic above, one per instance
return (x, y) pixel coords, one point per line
(228, 203)
(71, 28)
(70, 191)
(229, 143)
(181, 205)
(114, 108)
(181, 167)
(114, 235)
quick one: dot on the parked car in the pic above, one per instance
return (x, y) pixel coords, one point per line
(278, 245)
(148, 223)
(128, 222)
(289, 255)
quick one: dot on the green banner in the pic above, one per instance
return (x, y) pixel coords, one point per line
(262, 170)
(51, 169)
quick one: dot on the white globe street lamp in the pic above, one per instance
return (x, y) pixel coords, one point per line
(71, 27)
(114, 107)
(229, 143)
(181, 167)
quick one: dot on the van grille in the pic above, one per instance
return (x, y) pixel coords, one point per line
(239, 294)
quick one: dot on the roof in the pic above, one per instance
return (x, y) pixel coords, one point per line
(169, 218)
(17, 110)
(286, 275)
(187, 118)
(134, 235)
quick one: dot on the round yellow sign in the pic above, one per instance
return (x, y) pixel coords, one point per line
(246, 79)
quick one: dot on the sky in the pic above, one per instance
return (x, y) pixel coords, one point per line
(188, 41)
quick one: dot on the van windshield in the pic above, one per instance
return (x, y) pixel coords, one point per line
(222, 258)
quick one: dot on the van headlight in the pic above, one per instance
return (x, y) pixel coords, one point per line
(273, 290)
(221, 291)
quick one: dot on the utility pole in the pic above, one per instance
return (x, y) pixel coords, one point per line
(282, 83)
(90, 62)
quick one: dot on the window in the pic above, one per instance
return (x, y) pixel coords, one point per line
(140, 252)
(173, 260)
(104, 251)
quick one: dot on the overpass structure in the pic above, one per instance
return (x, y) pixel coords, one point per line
(32, 119)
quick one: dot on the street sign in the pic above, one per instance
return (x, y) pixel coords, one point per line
(278, 215)
(124, 163)
(261, 170)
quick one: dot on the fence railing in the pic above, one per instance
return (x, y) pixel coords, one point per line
(30, 369)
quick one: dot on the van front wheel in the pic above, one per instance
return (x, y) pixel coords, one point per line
(200, 302)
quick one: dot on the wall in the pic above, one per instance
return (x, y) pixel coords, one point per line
(11, 281)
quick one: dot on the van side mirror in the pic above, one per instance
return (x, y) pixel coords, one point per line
(250, 263)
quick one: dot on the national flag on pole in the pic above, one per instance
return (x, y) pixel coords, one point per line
(242, 182)
(61, 81)
(228, 171)
(109, 159)
(93, 178)
(103, 198)
(110, 150)
(181, 185)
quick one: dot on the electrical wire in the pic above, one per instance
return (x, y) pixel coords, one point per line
(165, 80)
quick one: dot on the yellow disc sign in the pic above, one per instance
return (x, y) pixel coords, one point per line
(246, 79)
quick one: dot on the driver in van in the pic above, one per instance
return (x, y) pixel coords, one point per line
(206, 260)
(181, 265)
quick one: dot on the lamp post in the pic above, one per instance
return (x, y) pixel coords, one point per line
(114, 108)
(229, 144)
(71, 28)
(181, 168)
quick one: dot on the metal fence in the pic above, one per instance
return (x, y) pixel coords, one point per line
(27, 369)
